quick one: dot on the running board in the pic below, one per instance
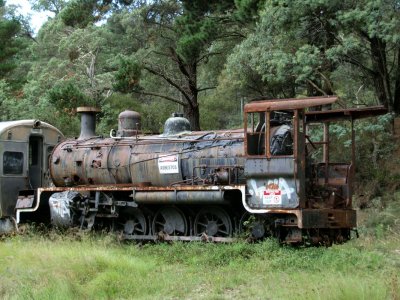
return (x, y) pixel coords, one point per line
(154, 238)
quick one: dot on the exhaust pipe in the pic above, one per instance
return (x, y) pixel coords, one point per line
(88, 121)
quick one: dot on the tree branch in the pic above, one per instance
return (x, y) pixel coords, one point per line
(206, 88)
(205, 56)
(328, 82)
(180, 62)
(316, 87)
(161, 53)
(355, 62)
(148, 21)
(169, 80)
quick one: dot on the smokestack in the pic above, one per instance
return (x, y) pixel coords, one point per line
(88, 121)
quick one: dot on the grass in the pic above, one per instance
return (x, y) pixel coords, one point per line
(90, 266)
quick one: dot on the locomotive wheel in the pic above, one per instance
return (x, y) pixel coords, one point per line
(254, 225)
(136, 223)
(213, 221)
(170, 220)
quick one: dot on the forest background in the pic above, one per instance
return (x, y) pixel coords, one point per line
(207, 59)
(204, 58)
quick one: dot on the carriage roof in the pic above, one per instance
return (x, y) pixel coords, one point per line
(7, 125)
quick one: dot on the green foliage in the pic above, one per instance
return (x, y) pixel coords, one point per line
(67, 67)
(5, 99)
(54, 6)
(303, 47)
(247, 10)
(128, 76)
(10, 44)
(221, 108)
(196, 30)
(79, 13)
(376, 140)
(67, 97)
(154, 114)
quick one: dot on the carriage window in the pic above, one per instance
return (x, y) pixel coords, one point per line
(13, 163)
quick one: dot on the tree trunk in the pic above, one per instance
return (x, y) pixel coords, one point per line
(191, 110)
(381, 75)
(396, 100)
(193, 115)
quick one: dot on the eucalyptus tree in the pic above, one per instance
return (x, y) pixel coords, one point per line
(10, 42)
(69, 67)
(170, 41)
(176, 40)
(15, 39)
(299, 46)
(54, 6)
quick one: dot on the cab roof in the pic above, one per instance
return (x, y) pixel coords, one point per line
(291, 103)
(317, 115)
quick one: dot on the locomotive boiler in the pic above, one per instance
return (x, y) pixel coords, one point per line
(262, 180)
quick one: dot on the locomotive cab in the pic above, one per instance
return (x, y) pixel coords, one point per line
(274, 148)
(291, 178)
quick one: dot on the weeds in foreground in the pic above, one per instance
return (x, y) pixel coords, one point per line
(86, 265)
(43, 263)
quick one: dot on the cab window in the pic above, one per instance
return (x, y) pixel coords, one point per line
(269, 130)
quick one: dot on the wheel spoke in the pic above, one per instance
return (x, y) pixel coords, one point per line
(136, 223)
(214, 221)
(202, 224)
(223, 231)
(171, 221)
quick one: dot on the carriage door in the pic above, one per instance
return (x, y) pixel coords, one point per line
(35, 161)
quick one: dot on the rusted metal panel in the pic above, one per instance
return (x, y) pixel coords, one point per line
(113, 161)
(327, 218)
(180, 197)
(93, 161)
(284, 104)
(130, 188)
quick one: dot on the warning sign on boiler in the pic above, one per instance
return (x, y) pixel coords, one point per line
(168, 164)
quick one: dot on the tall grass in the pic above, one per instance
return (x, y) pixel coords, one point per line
(90, 266)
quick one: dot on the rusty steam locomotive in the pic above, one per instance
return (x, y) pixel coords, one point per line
(261, 180)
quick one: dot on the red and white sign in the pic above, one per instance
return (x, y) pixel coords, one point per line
(168, 164)
(272, 197)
